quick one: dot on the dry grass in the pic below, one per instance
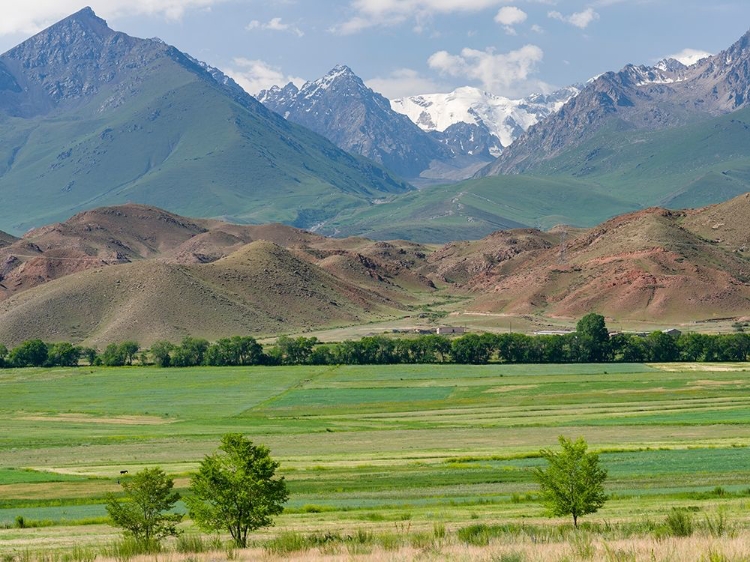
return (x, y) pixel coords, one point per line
(85, 418)
(582, 549)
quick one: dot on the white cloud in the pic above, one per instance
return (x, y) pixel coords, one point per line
(370, 13)
(507, 74)
(578, 19)
(510, 16)
(690, 56)
(31, 16)
(275, 25)
(402, 83)
(257, 75)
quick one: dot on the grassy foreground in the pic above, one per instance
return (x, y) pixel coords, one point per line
(390, 462)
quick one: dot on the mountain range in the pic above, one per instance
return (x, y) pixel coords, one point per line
(670, 135)
(90, 116)
(426, 139)
(637, 98)
(138, 272)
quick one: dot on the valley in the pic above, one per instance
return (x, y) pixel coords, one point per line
(349, 271)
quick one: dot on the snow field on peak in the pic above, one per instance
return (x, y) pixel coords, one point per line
(503, 117)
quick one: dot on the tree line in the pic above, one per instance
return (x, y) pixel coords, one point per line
(590, 343)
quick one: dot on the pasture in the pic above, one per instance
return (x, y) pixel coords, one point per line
(380, 448)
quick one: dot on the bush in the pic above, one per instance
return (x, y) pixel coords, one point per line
(717, 524)
(476, 535)
(679, 523)
(128, 548)
(286, 543)
(192, 544)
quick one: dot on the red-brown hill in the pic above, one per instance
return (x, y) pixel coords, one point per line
(652, 264)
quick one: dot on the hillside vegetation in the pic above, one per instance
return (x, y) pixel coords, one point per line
(614, 172)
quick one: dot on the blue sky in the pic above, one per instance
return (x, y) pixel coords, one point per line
(406, 47)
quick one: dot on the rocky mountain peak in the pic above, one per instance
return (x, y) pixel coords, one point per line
(501, 118)
(70, 61)
(340, 79)
(277, 96)
(342, 108)
(669, 94)
(73, 37)
(670, 65)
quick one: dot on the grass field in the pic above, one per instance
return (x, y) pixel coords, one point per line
(386, 449)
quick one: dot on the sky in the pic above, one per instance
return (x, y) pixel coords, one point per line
(410, 47)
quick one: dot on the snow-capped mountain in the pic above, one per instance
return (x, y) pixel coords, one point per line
(503, 118)
(666, 95)
(341, 108)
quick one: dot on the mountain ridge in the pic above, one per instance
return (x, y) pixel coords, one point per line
(114, 130)
(664, 96)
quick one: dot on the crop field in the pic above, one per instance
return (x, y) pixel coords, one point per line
(377, 449)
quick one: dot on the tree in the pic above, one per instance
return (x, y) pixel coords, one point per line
(235, 489)
(470, 348)
(160, 353)
(572, 482)
(129, 350)
(3, 353)
(662, 347)
(113, 356)
(190, 353)
(145, 513)
(90, 354)
(593, 338)
(31, 353)
(294, 351)
(63, 354)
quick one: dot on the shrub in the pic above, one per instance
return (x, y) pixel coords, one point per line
(477, 535)
(679, 523)
(128, 548)
(191, 544)
(286, 543)
(389, 541)
(717, 525)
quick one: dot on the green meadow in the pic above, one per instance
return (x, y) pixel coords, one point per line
(374, 447)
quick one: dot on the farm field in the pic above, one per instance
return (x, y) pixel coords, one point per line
(384, 449)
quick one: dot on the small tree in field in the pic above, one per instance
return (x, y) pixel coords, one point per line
(235, 489)
(572, 482)
(145, 512)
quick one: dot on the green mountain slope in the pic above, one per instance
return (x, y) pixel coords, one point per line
(691, 166)
(475, 208)
(116, 119)
(618, 170)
